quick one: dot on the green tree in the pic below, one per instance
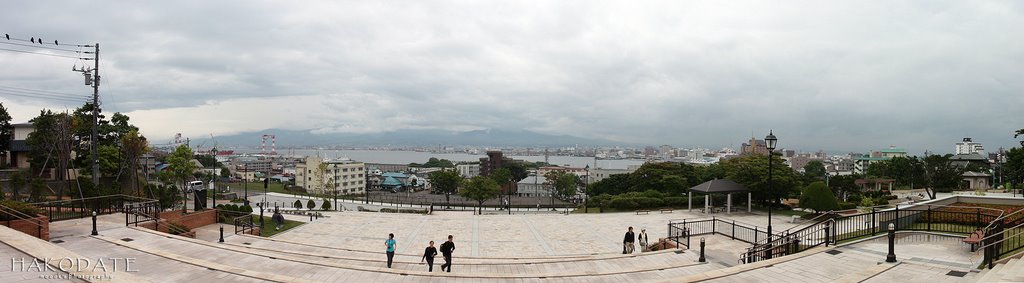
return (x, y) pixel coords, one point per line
(445, 181)
(943, 176)
(907, 171)
(36, 187)
(167, 196)
(181, 169)
(325, 179)
(311, 205)
(326, 205)
(1019, 133)
(814, 170)
(503, 177)
(297, 204)
(752, 172)
(1013, 169)
(133, 146)
(565, 185)
(818, 197)
(434, 162)
(208, 160)
(844, 186)
(225, 172)
(612, 185)
(480, 189)
(42, 142)
(17, 182)
(6, 133)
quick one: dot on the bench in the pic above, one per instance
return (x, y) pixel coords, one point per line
(666, 210)
(644, 211)
(974, 239)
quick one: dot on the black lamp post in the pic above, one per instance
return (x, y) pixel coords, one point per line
(245, 180)
(770, 142)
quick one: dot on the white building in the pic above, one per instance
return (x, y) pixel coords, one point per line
(349, 177)
(468, 170)
(968, 147)
(533, 186)
(596, 175)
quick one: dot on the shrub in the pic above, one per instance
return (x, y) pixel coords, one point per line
(649, 203)
(867, 202)
(854, 198)
(651, 194)
(675, 201)
(818, 197)
(847, 205)
(310, 205)
(297, 204)
(245, 208)
(623, 203)
(326, 205)
(18, 206)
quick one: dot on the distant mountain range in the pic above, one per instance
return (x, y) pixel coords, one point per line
(487, 137)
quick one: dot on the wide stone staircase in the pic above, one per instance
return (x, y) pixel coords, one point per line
(163, 257)
(1011, 271)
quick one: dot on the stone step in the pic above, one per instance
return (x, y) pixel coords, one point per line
(300, 266)
(264, 243)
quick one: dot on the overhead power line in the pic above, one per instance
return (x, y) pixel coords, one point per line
(45, 47)
(44, 54)
(39, 96)
(45, 92)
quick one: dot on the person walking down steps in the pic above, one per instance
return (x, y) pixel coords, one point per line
(390, 244)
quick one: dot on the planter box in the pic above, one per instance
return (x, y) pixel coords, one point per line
(30, 226)
(192, 220)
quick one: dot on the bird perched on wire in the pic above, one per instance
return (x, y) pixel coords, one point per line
(8, 36)
(33, 40)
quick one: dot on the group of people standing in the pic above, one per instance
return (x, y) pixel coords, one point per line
(631, 238)
(447, 248)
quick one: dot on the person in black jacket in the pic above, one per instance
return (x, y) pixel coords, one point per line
(446, 250)
(429, 255)
(627, 242)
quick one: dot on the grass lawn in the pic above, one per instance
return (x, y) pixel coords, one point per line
(270, 230)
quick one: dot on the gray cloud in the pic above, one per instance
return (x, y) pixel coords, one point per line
(823, 75)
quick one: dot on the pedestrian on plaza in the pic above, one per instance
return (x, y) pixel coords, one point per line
(642, 238)
(446, 250)
(627, 242)
(390, 244)
(429, 255)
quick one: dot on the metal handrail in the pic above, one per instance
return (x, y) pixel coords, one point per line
(754, 252)
(1000, 241)
(23, 216)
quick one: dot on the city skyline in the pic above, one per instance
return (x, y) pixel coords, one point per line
(851, 77)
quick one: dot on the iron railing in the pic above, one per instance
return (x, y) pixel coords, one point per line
(83, 208)
(18, 215)
(730, 228)
(947, 219)
(244, 224)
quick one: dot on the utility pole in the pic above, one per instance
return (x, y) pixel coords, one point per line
(95, 117)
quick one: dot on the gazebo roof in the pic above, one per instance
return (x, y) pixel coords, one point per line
(720, 186)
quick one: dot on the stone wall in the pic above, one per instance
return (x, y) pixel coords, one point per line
(31, 227)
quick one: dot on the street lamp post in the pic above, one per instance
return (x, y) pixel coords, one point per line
(770, 142)
(245, 180)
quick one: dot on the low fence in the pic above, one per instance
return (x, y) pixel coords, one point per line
(945, 219)
(739, 231)
(83, 208)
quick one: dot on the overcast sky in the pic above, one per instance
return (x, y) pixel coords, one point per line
(832, 75)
